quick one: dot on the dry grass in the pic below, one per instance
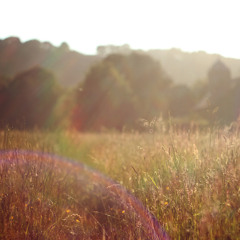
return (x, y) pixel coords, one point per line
(188, 180)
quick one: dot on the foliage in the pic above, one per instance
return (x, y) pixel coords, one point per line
(119, 90)
(103, 51)
(68, 66)
(224, 95)
(181, 101)
(29, 99)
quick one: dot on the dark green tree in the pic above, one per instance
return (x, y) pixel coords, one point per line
(31, 97)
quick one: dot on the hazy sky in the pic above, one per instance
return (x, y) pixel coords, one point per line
(192, 25)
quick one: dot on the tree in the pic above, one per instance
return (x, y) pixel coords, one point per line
(105, 100)
(3, 96)
(30, 100)
(181, 100)
(119, 90)
(222, 94)
(104, 51)
(219, 81)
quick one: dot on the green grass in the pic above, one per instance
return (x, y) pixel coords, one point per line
(189, 180)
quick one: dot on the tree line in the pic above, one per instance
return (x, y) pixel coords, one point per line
(116, 93)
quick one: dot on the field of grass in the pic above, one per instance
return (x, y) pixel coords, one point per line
(189, 180)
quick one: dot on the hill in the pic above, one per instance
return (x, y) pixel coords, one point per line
(69, 67)
(186, 68)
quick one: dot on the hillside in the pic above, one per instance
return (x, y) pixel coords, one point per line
(186, 68)
(68, 66)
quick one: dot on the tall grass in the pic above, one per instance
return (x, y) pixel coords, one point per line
(189, 180)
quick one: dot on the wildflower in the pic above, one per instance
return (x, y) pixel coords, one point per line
(167, 188)
(68, 211)
(123, 211)
(166, 203)
(11, 217)
(77, 221)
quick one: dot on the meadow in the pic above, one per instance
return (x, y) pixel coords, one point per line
(188, 179)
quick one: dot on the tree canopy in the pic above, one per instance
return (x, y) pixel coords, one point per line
(29, 99)
(120, 90)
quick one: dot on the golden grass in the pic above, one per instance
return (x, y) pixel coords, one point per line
(189, 180)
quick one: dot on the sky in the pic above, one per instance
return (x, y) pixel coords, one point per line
(190, 25)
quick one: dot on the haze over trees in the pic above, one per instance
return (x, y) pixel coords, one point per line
(121, 89)
(45, 86)
(223, 94)
(183, 67)
(68, 66)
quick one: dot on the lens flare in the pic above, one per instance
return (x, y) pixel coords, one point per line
(76, 201)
